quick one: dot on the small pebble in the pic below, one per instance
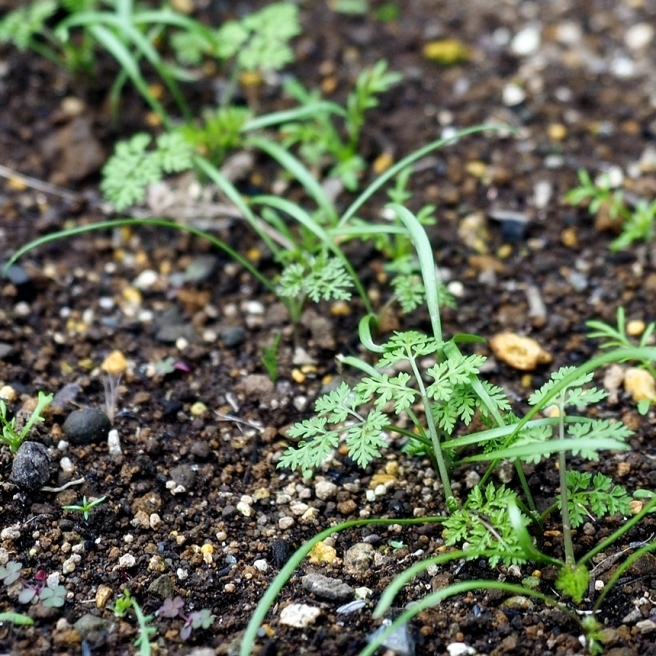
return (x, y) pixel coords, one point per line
(114, 443)
(87, 426)
(327, 588)
(325, 490)
(145, 280)
(322, 553)
(640, 384)
(399, 641)
(299, 615)
(522, 353)
(526, 41)
(31, 466)
(8, 393)
(285, 523)
(359, 558)
(639, 36)
(103, 595)
(460, 649)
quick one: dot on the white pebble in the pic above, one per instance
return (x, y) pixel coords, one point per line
(638, 36)
(244, 509)
(542, 191)
(252, 307)
(22, 309)
(285, 523)
(456, 288)
(66, 465)
(182, 574)
(145, 280)
(622, 67)
(126, 561)
(460, 649)
(114, 442)
(68, 566)
(325, 490)
(299, 615)
(261, 565)
(512, 95)
(526, 41)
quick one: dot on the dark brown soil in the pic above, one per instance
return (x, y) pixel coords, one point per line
(78, 303)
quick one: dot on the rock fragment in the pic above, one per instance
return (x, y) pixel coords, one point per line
(327, 588)
(299, 615)
(31, 467)
(522, 353)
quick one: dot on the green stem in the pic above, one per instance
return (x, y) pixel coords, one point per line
(562, 473)
(451, 502)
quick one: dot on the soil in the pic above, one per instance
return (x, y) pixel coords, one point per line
(194, 500)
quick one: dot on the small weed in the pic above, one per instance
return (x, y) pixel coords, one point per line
(270, 358)
(127, 602)
(174, 607)
(13, 436)
(86, 506)
(637, 224)
(51, 596)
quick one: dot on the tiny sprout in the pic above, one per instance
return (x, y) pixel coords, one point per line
(113, 366)
(86, 506)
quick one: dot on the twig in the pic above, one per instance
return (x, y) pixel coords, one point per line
(39, 185)
(79, 481)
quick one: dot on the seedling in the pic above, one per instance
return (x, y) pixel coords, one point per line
(637, 224)
(320, 139)
(13, 436)
(270, 358)
(86, 506)
(174, 607)
(127, 602)
(50, 597)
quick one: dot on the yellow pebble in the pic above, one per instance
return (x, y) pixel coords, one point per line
(298, 376)
(340, 309)
(207, 549)
(254, 255)
(636, 506)
(103, 595)
(198, 409)
(569, 238)
(522, 353)
(635, 327)
(114, 364)
(132, 295)
(322, 553)
(250, 79)
(8, 393)
(556, 131)
(504, 251)
(446, 51)
(382, 163)
(640, 384)
(476, 168)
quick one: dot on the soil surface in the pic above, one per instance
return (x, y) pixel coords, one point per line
(195, 505)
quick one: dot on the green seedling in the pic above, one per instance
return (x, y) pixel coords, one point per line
(438, 388)
(320, 140)
(637, 224)
(13, 436)
(302, 248)
(86, 506)
(127, 602)
(270, 358)
(17, 619)
(619, 339)
(131, 35)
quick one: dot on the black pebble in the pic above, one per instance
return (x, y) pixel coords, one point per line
(31, 468)
(281, 550)
(87, 426)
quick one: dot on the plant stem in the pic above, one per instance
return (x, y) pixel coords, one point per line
(562, 473)
(451, 502)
